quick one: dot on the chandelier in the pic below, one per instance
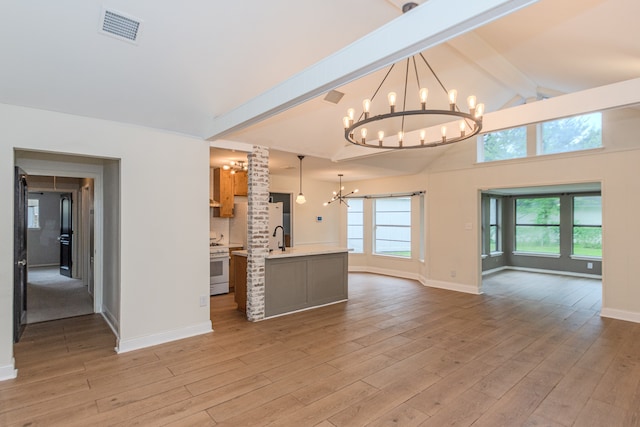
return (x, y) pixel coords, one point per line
(236, 166)
(412, 126)
(338, 196)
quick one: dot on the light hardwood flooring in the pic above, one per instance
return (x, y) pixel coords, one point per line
(532, 350)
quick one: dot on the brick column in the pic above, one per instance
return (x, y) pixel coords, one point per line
(257, 230)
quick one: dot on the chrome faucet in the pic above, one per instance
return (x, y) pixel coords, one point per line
(283, 247)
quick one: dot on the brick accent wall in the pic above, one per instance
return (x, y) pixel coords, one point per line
(257, 230)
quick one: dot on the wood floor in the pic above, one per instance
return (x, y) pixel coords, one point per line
(530, 351)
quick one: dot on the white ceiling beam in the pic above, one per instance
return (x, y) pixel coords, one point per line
(484, 56)
(616, 95)
(427, 25)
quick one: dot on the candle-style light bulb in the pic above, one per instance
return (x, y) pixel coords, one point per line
(363, 133)
(392, 101)
(443, 131)
(350, 113)
(366, 107)
(479, 110)
(226, 167)
(463, 127)
(345, 122)
(453, 94)
(471, 102)
(325, 204)
(400, 137)
(424, 93)
(423, 134)
(380, 137)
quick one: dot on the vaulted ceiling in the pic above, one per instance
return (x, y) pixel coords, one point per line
(198, 65)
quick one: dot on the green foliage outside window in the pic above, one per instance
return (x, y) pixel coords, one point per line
(572, 134)
(505, 144)
(538, 225)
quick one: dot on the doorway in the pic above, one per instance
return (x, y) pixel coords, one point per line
(59, 220)
(530, 233)
(98, 242)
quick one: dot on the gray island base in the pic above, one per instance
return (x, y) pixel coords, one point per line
(304, 277)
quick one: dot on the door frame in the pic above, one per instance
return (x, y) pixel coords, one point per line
(77, 170)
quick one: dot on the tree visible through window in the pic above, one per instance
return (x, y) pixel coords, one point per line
(587, 226)
(572, 134)
(355, 225)
(505, 144)
(392, 233)
(538, 225)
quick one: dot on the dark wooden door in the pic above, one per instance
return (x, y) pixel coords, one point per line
(66, 233)
(20, 254)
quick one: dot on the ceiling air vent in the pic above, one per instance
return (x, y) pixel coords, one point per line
(119, 25)
(333, 96)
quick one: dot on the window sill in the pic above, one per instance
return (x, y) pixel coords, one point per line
(484, 256)
(499, 253)
(586, 258)
(536, 254)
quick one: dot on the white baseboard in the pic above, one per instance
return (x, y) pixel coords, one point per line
(450, 286)
(540, 270)
(9, 371)
(384, 272)
(111, 321)
(629, 316)
(458, 287)
(124, 346)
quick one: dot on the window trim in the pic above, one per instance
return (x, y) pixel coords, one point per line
(374, 231)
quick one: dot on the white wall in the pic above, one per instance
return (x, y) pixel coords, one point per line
(163, 219)
(306, 229)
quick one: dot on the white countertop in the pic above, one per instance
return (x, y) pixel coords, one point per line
(304, 250)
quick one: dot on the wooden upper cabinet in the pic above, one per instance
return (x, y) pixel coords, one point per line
(240, 183)
(223, 192)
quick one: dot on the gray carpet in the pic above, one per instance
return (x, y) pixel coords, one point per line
(53, 296)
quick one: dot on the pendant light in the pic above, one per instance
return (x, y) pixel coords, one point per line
(300, 199)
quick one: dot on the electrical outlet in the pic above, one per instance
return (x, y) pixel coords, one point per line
(203, 301)
(453, 273)
(589, 266)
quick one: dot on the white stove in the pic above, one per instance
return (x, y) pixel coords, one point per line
(218, 268)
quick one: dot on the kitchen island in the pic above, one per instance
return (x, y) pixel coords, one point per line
(298, 278)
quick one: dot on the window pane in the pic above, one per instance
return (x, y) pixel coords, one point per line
(572, 134)
(393, 226)
(545, 239)
(33, 213)
(493, 211)
(493, 238)
(543, 210)
(505, 144)
(587, 226)
(355, 228)
(587, 210)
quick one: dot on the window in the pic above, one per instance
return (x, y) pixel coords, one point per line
(33, 213)
(392, 226)
(505, 144)
(571, 134)
(587, 226)
(355, 225)
(538, 225)
(494, 225)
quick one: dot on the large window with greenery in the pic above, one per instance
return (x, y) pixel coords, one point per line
(392, 226)
(538, 225)
(571, 134)
(505, 144)
(587, 226)
(355, 226)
